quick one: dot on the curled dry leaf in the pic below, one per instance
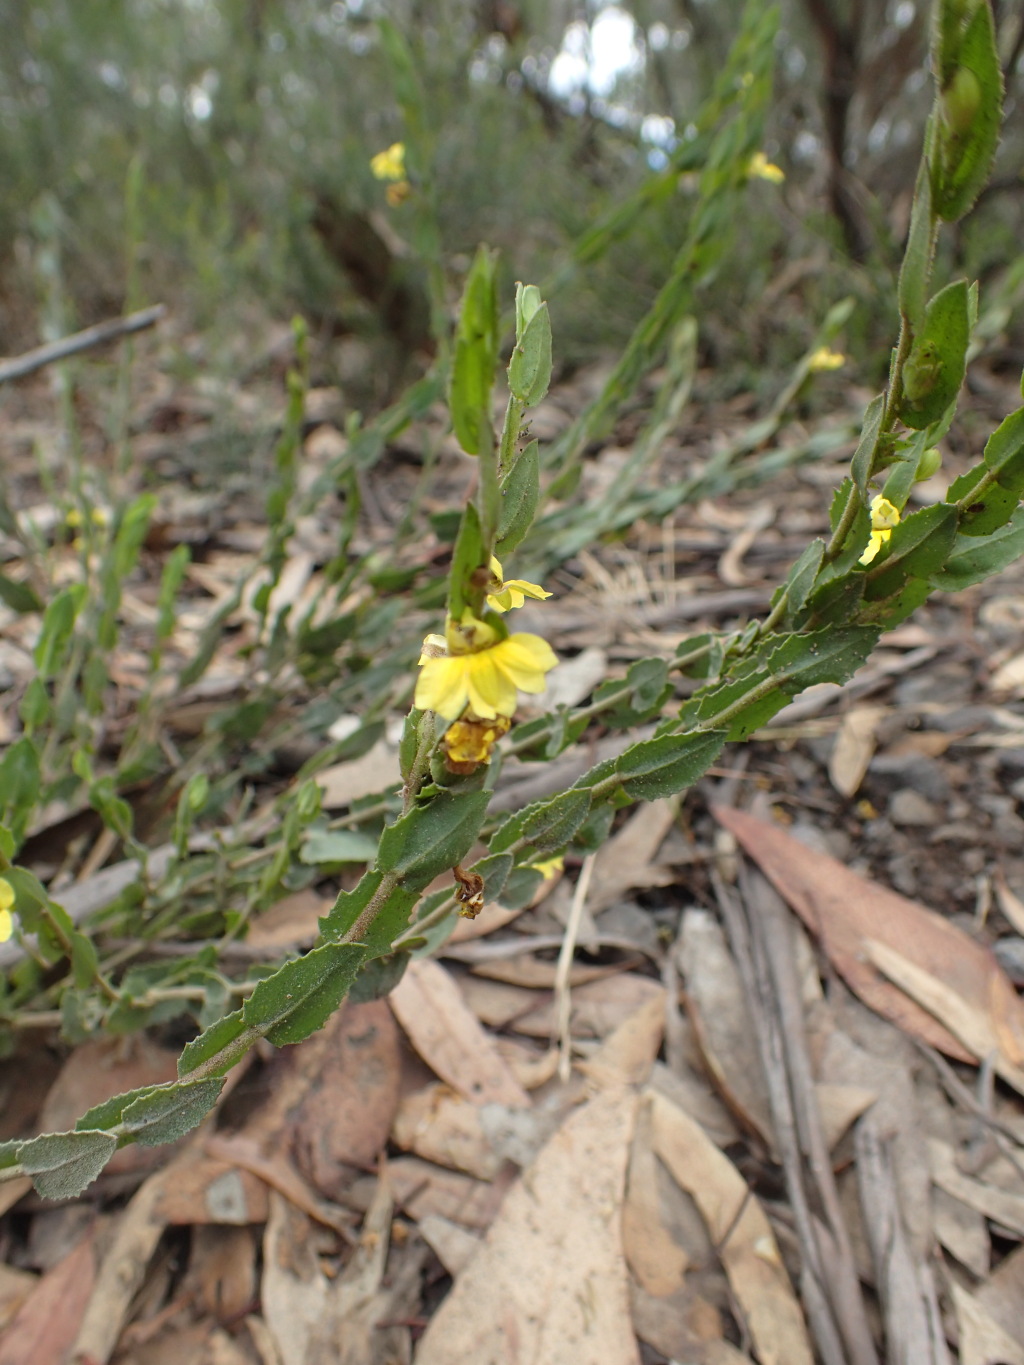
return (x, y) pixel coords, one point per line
(982, 1340)
(854, 748)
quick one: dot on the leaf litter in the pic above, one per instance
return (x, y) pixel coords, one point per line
(776, 1142)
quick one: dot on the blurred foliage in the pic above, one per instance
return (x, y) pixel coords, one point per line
(250, 125)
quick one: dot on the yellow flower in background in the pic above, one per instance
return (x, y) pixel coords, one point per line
(549, 867)
(506, 594)
(389, 164)
(480, 672)
(760, 168)
(825, 359)
(6, 901)
(884, 516)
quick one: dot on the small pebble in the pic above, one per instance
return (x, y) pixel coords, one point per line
(909, 807)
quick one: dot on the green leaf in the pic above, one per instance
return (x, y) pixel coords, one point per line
(974, 558)
(919, 547)
(529, 370)
(476, 354)
(467, 560)
(661, 767)
(519, 491)
(338, 846)
(20, 784)
(971, 105)
(650, 689)
(996, 502)
(831, 655)
(495, 870)
(800, 579)
(303, 994)
(862, 464)
(108, 1114)
(521, 887)
(544, 826)
(169, 1112)
(917, 258)
(216, 1039)
(62, 1165)
(55, 634)
(935, 367)
(432, 838)
(19, 596)
(378, 978)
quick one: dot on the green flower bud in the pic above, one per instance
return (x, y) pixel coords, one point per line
(961, 101)
(928, 464)
(528, 300)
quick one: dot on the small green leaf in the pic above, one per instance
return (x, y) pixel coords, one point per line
(303, 994)
(996, 502)
(862, 464)
(495, 870)
(521, 887)
(467, 560)
(378, 978)
(800, 579)
(108, 1114)
(519, 491)
(432, 838)
(169, 1112)
(661, 767)
(919, 547)
(20, 784)
(545, 825)
(55, 634)
(218, 1038)
(476, 354)
(529, 370)
(935, 367)
(917, 258)
(831, 655)
(62, 1165)
(975, 558)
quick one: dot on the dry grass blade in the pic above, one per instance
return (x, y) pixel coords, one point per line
(563, 990)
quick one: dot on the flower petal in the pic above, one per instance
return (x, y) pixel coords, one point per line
(443, 686)
(525, 659)
(492, 692)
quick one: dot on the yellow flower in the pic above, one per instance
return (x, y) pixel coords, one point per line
(760, 168)
(511, 592)
(825, 359)
(884, 516)
(6, 901)
(549, 867)
(398, 193)
(480, 672)
(390, 164)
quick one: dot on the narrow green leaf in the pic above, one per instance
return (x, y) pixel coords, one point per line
(971, 104)
(831, 655)
(996, 503)
(935, 367)
(544, 826)
(338, 846)
(662, 767)
(108, 1114)
(863, 457)
(62, 1165)
(529, 370)
(467, 560)
(800, 579)
(169, 1112)
(918, 548)
(216, 1039)
(432, 838)
(917, 258)
(55, 633)
(303, 994)
(519, 492)
(975, 558)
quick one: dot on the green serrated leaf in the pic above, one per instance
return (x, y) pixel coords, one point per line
(862, 465)
(917, 258)
(378, 978)
(974, 558)
(495, 870)
(971, 104)
(108, 1114)
(935, 367)
(431, 839)
(545, 825)
(520, 493)
(303, 994)
(216, 1039)
(919, 547)
(62, 1165)
(831, 655)
(662, 767)
(521, 887)
(800, 579)
(169, 1112)
(996, 502)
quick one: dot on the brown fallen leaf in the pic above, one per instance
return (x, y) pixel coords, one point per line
(441, 1126)
(656, 1260)
(549, 1283)
(46, 1324)
(740, 1232)
(15, 1287)
(444, 1031)
(1000, 1206)
(422, 1188)
(845, 911)
(453, 1246)
(982, 1340)
(598, 1008)
(627, 861)
(854, 748)
(212, 1191)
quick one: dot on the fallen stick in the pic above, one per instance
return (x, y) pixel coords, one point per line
(21, 365)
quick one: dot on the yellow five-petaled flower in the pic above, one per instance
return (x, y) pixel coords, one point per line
(760, 168)
(6, 901)
(389, 164)
(507, 593)
(884, 516)
(471, 666)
